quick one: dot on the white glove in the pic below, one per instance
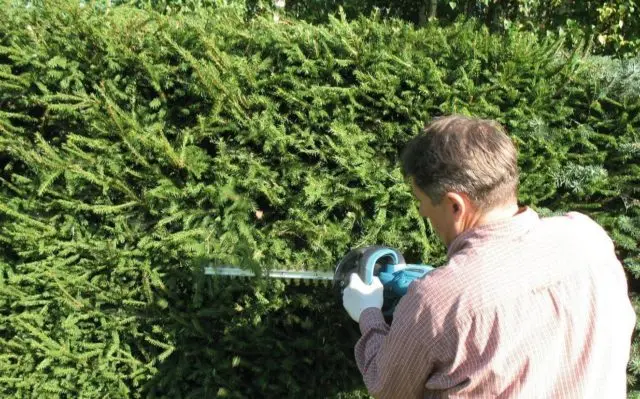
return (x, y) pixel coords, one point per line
(359, 296)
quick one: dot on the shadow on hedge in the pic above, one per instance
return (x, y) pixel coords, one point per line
(242, 338)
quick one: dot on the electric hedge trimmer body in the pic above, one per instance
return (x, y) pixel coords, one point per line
(386, 263)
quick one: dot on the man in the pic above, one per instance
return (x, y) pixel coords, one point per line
(525, 307)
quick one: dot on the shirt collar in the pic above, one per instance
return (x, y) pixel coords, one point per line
(513, 227)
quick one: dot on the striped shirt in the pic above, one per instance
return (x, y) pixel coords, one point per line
(527, 307)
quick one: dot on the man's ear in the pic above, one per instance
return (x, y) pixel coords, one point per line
(458, 204)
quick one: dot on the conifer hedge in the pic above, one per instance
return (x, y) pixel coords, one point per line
(137, 147)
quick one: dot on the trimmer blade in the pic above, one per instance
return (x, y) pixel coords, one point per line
(346, 266)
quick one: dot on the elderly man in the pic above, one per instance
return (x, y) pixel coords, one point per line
(525, 307)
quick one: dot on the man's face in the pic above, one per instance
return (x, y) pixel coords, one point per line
(441, 215)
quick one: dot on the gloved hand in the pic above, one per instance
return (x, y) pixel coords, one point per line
(359, 296)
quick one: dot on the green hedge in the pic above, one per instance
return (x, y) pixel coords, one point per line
(613, 25)
(136, 147)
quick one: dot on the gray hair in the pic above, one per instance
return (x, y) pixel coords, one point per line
(466, 155)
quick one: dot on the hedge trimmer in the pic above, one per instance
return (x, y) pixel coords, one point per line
(386, 263)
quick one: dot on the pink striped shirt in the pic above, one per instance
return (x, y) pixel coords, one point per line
(529, 307)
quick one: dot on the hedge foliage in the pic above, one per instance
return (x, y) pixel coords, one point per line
(613, 25)
(137, 147)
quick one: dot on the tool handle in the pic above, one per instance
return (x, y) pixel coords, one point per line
(396, 278)
(383, 262)
(371, 261)
(394, 274)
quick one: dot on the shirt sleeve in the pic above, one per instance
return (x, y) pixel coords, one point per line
(394, 360)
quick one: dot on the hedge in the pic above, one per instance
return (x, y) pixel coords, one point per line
(138, 147)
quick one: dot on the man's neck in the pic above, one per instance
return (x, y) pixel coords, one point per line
(495, 215)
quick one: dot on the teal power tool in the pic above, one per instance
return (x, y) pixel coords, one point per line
(387, 264)
(383, 262)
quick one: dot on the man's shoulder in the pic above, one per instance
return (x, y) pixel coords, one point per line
(480, 276)
(483, 274)
(576, 227)
(571, 219)
(448, 286)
